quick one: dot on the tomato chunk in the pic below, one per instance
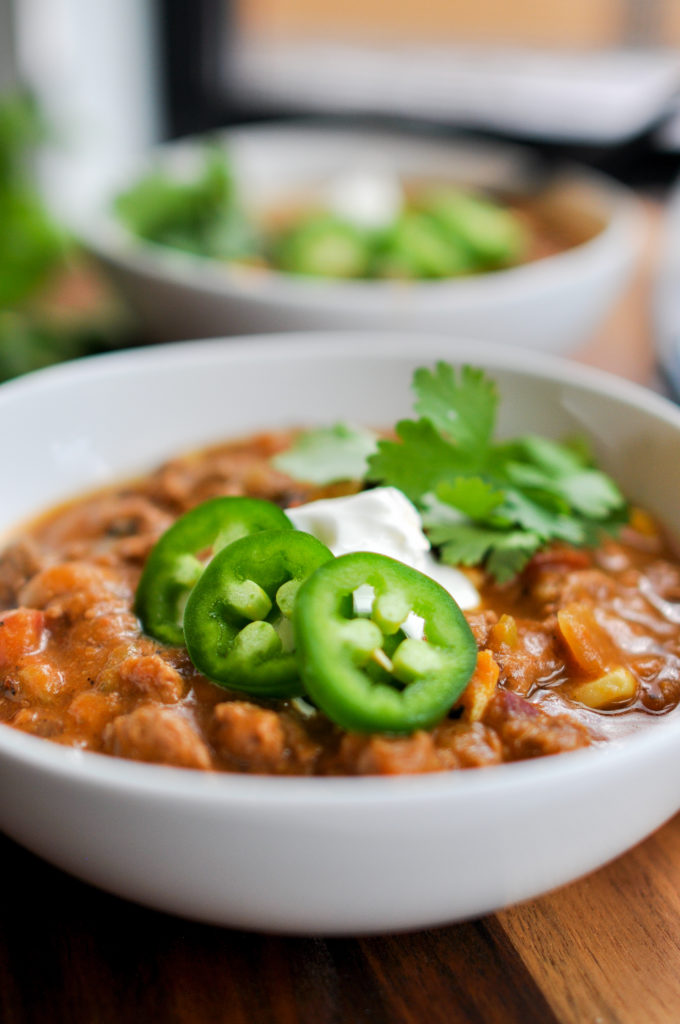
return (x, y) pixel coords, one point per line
(21, 632)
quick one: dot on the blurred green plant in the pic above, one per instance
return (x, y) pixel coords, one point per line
(26, 344)
(21, 129)
(34, 251)
(31, 245)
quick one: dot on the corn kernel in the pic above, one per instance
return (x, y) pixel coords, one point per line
(614, 687)
(642, 522)
(505, 631)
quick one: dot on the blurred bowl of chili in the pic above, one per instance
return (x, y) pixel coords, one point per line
(583, 232)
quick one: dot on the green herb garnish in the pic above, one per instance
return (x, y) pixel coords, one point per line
(328, 455)
(485, 502)
(482, 502)
(199, 214)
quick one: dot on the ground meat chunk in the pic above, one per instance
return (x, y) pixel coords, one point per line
(387, 755)
(71, 590)
(39, 722)
(251, 736)
(533, 660)
(466, 745)
(481, 623)
(255, 739)
(157, 735)
(526, 731)
(18, 563)
(34, 681)
(27, 674)
(659, 680)
(235, 468)
(87, 603)
(22, 632)
(119, 527)
(587, 584)
(549, 570)
(151, 676)
(664, 578)
(90, 711)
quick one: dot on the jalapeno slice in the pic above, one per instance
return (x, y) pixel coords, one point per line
(237, 621)
(174, 565)
(363, 669)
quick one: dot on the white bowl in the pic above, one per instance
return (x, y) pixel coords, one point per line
(322, 855)
(552, 304)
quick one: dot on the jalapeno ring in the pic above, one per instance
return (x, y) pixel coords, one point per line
(364, 671)
(237, 619)
(174, 566)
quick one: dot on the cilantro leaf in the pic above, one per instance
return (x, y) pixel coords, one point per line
(591, 493)
(328, 455)
(523, 509)
(418, 461)
(536, 462)
(551, 457)
(467, 544)
(510, 554)
(463, 410)
(474, 497)
(504, 552)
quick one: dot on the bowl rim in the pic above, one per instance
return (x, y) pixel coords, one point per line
(109, 238)
(171, 782)
(383, 343)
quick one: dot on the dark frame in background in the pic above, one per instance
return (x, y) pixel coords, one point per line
(189, 98)
(192, 41)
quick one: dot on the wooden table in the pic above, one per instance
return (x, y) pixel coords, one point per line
(604, 949)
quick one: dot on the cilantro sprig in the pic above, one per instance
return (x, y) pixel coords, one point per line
(482, 501)
(328, 454)
(487, 502)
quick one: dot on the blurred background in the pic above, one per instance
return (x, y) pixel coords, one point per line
(85, 86)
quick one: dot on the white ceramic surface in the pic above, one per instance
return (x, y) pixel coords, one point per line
(322, 855)
(552, 304)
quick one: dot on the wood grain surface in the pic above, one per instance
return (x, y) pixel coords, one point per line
(603, 950)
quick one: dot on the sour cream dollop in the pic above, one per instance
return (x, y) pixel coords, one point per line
(384, 521)
(369, 200)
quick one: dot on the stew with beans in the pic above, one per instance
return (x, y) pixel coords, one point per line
(580, 648)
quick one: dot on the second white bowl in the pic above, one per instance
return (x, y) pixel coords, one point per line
(552, 304)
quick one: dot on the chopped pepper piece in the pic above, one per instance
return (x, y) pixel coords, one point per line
(417, 247)
(366, 673)
(179, 557)
(323, 245)
(491, 234)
